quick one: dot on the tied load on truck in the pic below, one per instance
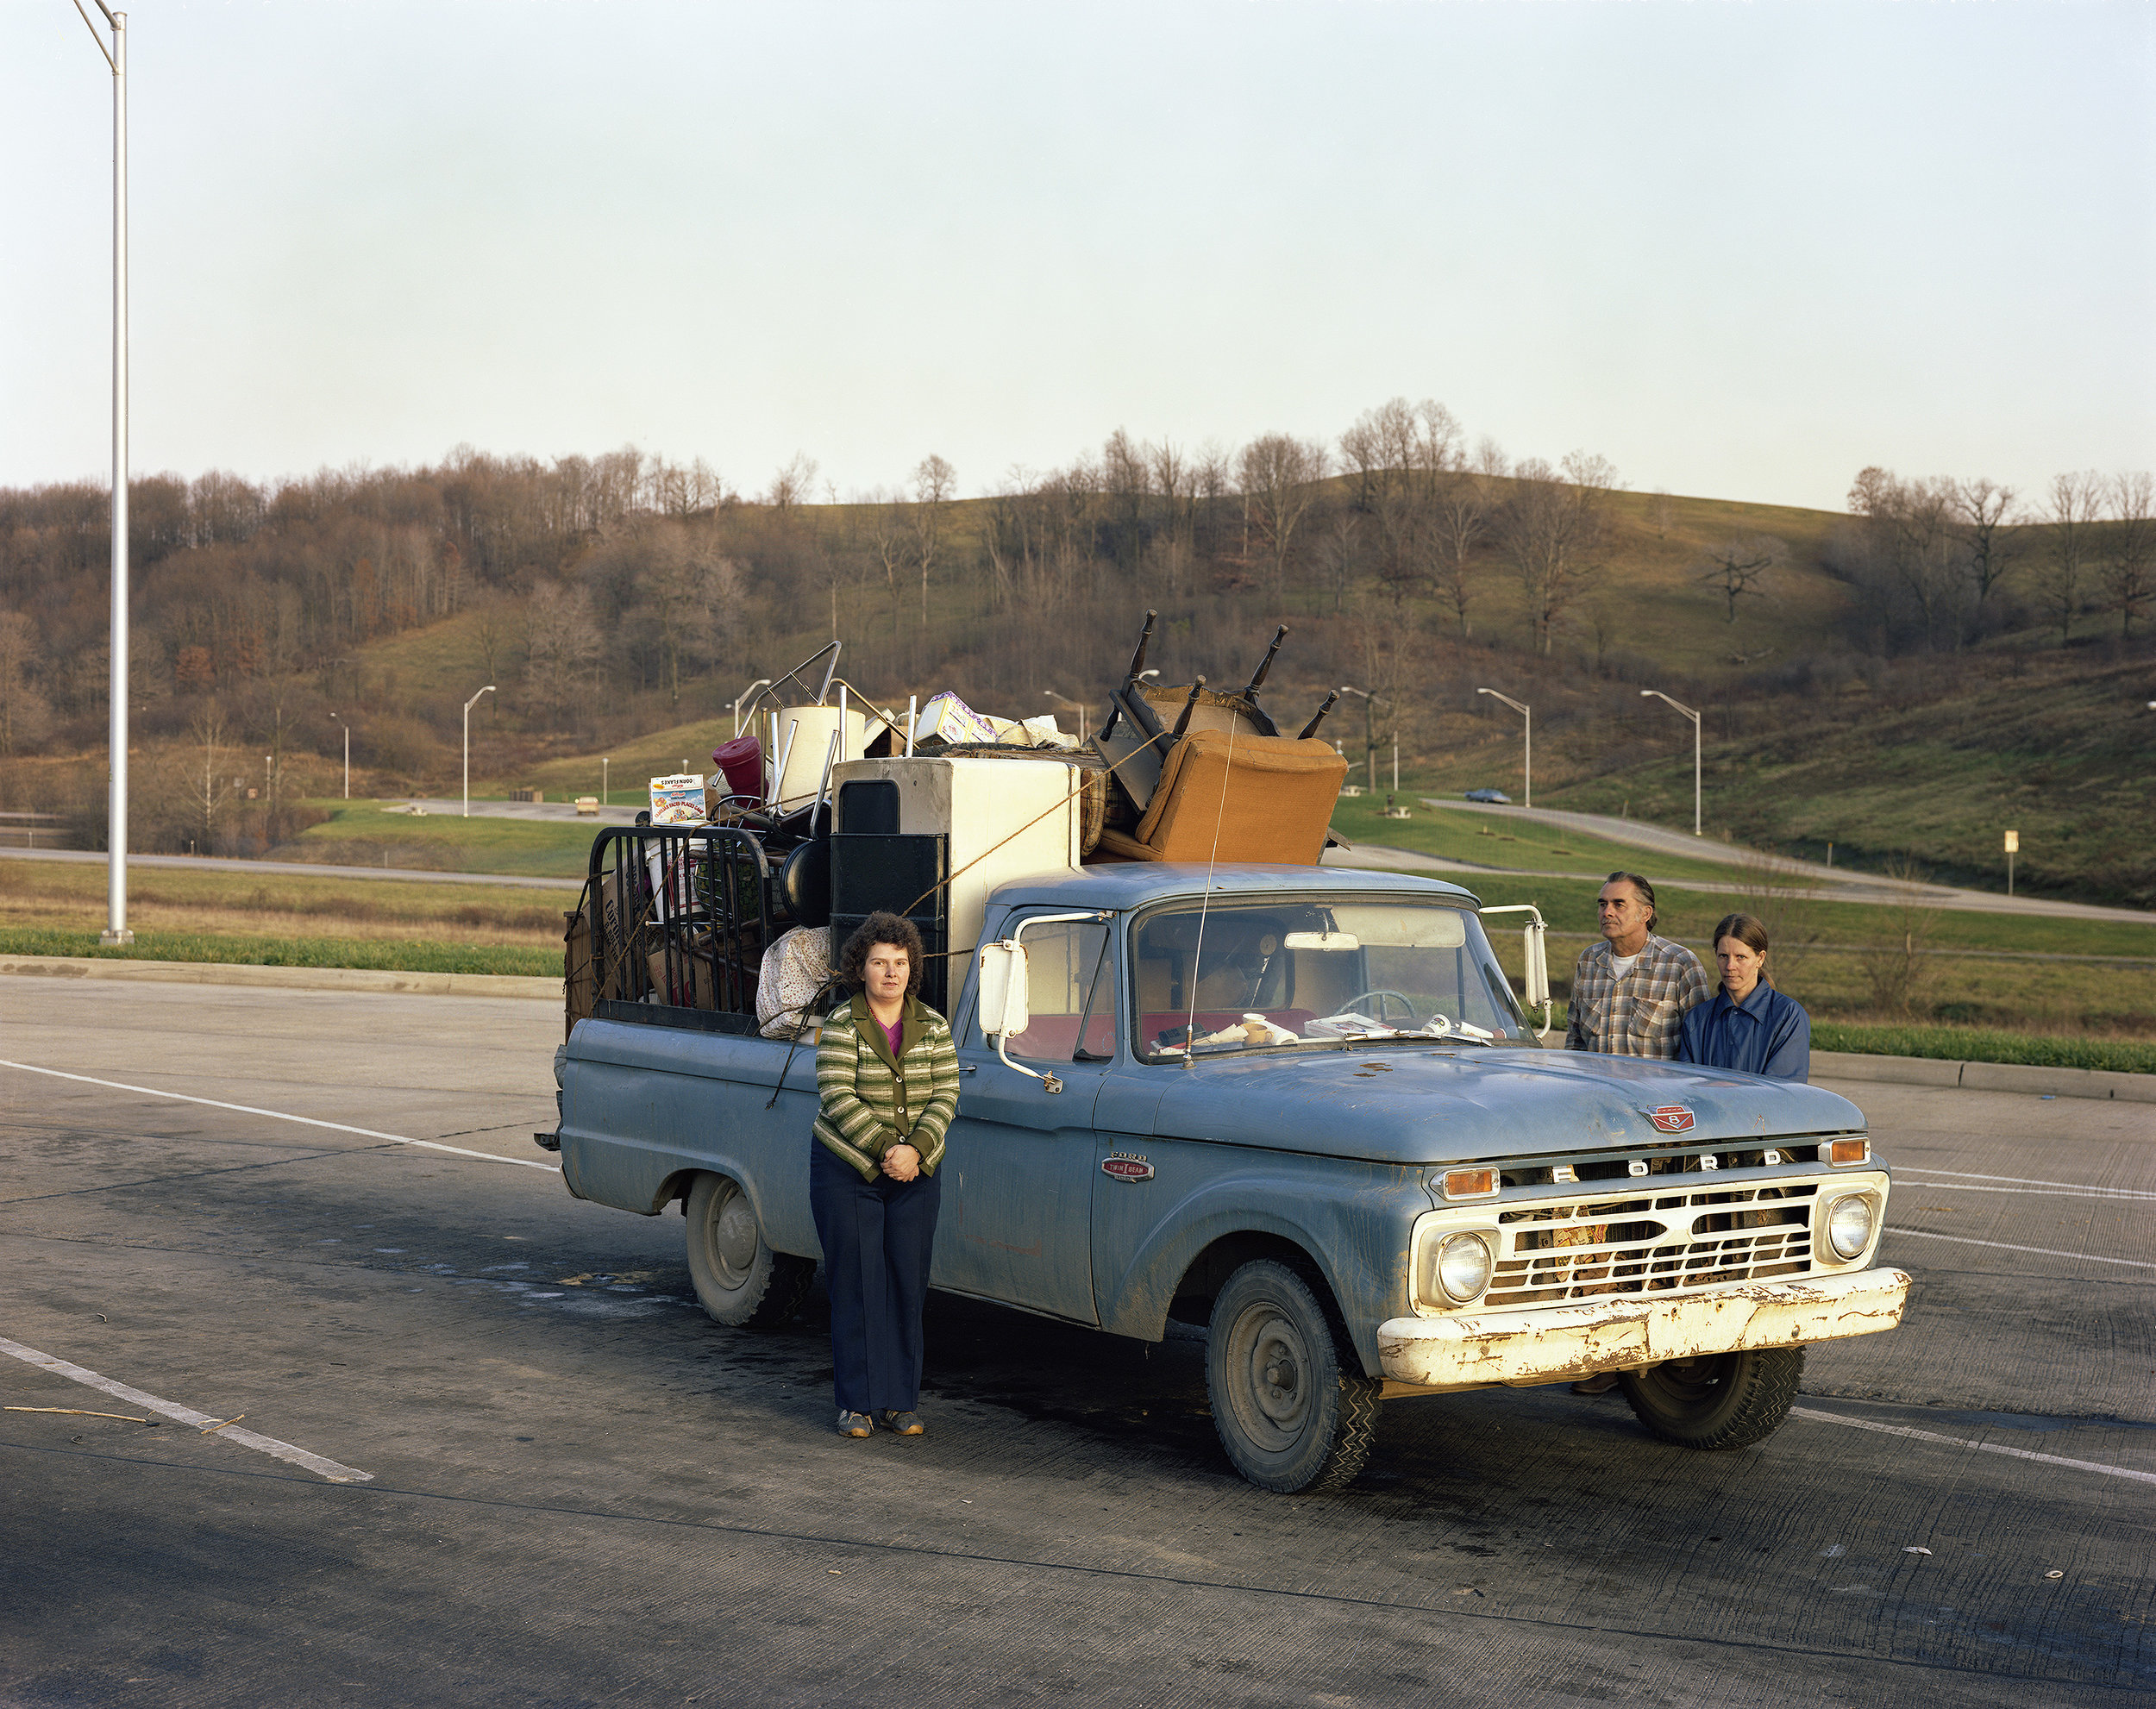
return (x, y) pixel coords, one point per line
(1302, 1106)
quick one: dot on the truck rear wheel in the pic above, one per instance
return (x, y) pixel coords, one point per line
(742, 1282)
(1289, 1400)
(1720, 1401)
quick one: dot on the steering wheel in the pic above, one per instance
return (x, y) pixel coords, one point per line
(1380, 994)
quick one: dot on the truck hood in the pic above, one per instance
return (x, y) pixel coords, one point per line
(1401, 1104)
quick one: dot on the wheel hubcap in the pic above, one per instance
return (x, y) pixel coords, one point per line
(734, 1239)
(1274, 1403)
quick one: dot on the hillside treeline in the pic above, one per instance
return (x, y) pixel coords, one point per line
(623, 591)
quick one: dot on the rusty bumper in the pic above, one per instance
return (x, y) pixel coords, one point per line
(1474, 1350)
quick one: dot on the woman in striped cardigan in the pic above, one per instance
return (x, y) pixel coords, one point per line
(887, 1077)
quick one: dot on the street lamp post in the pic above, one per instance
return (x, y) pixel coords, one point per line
(1077, 706)
(115, 59)
(1694, 717)
(468, 705)
(339, 716)
(1369, 733)
(760, 682)
(1527, 769)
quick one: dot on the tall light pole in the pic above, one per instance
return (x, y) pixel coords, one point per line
(1369, 733)
(339, 716)
(1694, 717)
(115, 59)
(1526, 712)
(468, 705)
(1077, 706)
(760, 682)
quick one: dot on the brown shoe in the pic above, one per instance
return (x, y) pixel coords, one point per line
(856, 1425)
(1599, 1384)
(905, 1423)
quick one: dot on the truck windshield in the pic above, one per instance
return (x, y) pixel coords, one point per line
(1281, 973)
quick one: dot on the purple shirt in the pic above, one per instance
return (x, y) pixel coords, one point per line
(894, 1032)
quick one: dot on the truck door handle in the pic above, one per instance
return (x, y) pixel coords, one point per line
(969, 1068)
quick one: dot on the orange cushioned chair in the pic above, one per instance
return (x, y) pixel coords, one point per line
(1277, 807)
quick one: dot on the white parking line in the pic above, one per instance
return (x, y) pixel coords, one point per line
(187, 1415)
(2023, 1181)
(2007, 1246)
(1818, 1417)
(279, 1115)
(1949, 1181)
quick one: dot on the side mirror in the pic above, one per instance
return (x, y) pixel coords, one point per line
(1537, 965)
(1003, 989)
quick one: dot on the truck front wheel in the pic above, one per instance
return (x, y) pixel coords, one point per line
(742, 1282)
(1720, 1401)
(1289, 1400)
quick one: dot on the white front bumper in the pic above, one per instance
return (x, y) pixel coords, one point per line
(1474, 1350)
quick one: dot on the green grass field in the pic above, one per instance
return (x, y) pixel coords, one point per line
(366, 834)
(1497, 841)
(418, 955)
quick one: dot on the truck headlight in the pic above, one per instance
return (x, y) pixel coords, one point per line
(1849, 1224)
(1464, 1266)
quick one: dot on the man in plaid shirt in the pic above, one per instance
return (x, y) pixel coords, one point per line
(1630, 992)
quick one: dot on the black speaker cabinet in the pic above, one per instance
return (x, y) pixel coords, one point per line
(898, 874)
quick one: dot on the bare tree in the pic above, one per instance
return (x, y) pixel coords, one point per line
(1663, 510)
(208, 788)
(2074, 505)
(890, 538)
(562, 646)
(1986, 512)
(685, 580)
(934, 481)
(792, 485)
(1279, 476)
(1554, 528)
(22, 708)
(1912, 524)
(1738, 568)
(2129, 547)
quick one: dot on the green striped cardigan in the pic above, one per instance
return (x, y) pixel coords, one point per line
(871, 1101)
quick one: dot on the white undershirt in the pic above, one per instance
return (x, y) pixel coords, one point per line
(1621, 965)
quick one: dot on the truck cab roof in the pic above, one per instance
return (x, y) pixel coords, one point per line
(1124, 885)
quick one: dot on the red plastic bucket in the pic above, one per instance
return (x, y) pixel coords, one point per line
(741, 762)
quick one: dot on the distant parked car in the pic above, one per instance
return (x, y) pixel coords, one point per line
(1498, 795)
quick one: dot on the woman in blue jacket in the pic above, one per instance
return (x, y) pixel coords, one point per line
(1747, 1024)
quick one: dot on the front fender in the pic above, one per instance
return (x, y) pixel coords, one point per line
(1353, 1220)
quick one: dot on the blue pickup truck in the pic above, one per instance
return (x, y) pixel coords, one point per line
(1303, 1108)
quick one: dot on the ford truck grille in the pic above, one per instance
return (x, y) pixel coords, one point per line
(1575, 1248)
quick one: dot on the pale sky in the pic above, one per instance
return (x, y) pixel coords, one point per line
(1739, 250)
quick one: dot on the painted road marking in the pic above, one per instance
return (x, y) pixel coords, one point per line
(2019, 1180)
(204, 1421)
(1818, 1417)
(2007, 1246)
(1941, 1180)
(281, 1116)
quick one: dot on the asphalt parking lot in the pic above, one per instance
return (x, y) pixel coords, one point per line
(530, 1471)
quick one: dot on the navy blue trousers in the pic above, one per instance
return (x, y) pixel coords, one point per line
(878, 1237)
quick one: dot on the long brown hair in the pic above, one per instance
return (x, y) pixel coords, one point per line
(1748, 932)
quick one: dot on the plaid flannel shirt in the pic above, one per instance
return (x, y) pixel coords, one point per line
(1641, 1014)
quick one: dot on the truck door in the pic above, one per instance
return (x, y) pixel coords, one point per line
(1018, 1174)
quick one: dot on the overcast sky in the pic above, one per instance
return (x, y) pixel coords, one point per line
(1739, 250)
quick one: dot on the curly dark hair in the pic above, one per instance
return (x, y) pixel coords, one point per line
(882, 928)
